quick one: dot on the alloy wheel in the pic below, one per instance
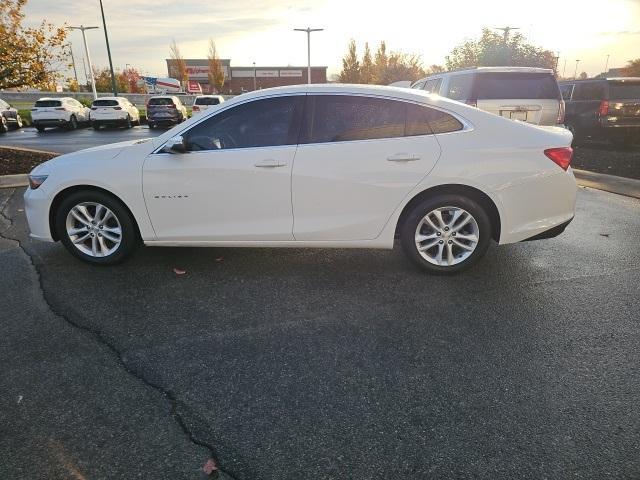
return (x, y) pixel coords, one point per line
(447, 236)
(94, 229)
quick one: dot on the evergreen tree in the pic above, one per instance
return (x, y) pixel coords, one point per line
(366, 68)
(350, 65)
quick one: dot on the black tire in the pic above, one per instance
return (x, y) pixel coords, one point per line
(40, 129)
(137, 123)
(4, 128)
(128, 124)
(152, 125)
(96, 125)
(420, 211)
(73, 123)
(578, 137)
(130, 237)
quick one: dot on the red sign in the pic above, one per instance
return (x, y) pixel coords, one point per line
(194, 87)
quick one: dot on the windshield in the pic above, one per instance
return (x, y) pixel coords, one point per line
(515, 85)
(105, 103)
(207, 101)
(624, 91)
(161, 101)
(48, 103)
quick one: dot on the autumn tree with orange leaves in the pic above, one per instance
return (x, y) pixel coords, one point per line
(29, 56)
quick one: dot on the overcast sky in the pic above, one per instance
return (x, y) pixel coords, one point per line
(261, 30)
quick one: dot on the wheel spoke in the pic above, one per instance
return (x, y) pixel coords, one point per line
(439, 254)
(472, 237)
(111, 236)
(103, 246)
(81, 239)
(428, 245)
(76, 231)
(438, 215)
(97, 217)
(107, 215)
(421, 238)
(79, 217)
(456, 215)
(468, 248)
(94, 246)
(83, 210)
(449, 254)
(464, 221)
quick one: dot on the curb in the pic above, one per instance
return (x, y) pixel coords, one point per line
(11, 181)
(628, 187)
(30, 150)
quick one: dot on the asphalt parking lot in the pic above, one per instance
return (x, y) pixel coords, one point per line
(301, 364)
(60, 140)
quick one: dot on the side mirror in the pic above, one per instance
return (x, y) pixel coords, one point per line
(175, 145)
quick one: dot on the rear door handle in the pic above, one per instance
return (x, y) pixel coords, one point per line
(403, 157)
(270, 163)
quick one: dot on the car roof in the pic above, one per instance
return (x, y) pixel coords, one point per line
(488, 70)
(53, 98)
(109, 98)
(607, 79)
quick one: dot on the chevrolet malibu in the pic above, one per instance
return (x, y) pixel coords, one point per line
(338, 166)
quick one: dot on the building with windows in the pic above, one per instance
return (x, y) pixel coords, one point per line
(244, 79)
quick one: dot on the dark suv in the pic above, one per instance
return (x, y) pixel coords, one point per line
(9, 117)
(603, 108)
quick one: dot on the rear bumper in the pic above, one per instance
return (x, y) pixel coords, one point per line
(108, 121)
(164, 120)
(51, 122)
(551, 233)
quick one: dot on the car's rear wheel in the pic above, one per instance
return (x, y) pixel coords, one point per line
(128, 123)
(152, 125)
(96, 228)
(73, 123)
(446, 234)
(40, 129)
(3, 125)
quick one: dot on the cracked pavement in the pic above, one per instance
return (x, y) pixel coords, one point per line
(291, 364)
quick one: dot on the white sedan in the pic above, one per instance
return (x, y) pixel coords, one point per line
(342, 166)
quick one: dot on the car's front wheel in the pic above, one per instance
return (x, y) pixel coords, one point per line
(96, 227)
(19, 122)
(446, 234)
(3, 125)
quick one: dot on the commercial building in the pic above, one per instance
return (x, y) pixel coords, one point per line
(243, 79)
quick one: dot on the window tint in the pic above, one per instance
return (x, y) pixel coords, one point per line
(460, 87)
(566, 91)
(422, 120)
(261, 123)
(161, 101)
(339, 118)
(418, 85)
(48, 103)
(624, 90)
(432, 86)
(207, 101)
(589, 91)
(105, 103)
(513, 85)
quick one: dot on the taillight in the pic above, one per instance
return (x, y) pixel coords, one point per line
(561, 156)
(171, 106)
(195, 108)
(603, 111)
(117, 108)
(561, 111)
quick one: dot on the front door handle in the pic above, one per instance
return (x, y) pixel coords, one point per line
(403, 157)
(270, 163)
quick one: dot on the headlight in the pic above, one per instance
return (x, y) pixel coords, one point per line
(36, 180)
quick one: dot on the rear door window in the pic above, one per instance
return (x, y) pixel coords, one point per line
(161, 101)
(624, 90)
(341, 118)
(516, 85)
(589, 91)
(460, 87)
(207, 101)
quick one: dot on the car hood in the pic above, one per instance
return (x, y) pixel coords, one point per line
(94, 154)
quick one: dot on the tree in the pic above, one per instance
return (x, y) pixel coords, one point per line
(28, 56)
(179, 67)
(403, 66)
(633, 68)
(380, 64)
(350, 65)
(493, 50)
(216, 72)
(367, 73)
(130, 78)
(72, 85)
(435, 69)
(583, 76)
(103, 80)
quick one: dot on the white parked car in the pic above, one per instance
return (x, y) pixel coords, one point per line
(114, 111)
(315, 166)
(527, 94)
(58, 112)
(203, 102)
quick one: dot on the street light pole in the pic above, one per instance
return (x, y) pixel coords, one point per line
(606, 65)
(575, 73)
(82, 28)
(106, 37)
(254, 76)
(308, 30)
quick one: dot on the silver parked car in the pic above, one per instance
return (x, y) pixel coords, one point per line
(527, 94)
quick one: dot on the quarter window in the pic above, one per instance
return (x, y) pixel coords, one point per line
(422, 120)
(261, 123)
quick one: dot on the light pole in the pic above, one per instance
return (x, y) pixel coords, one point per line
(606, 65)
(106, 37)
(82, 28)
(575, 73)
(308, 30)
(254, 76)
(564, 68)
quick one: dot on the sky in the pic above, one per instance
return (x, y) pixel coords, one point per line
(261, 31)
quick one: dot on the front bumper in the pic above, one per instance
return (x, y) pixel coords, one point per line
(36, 208)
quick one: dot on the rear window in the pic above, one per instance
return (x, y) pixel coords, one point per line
(207, 101)
(512, 85)
(161, 101)
(48, 103)
(105, 103)
(624, 91)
